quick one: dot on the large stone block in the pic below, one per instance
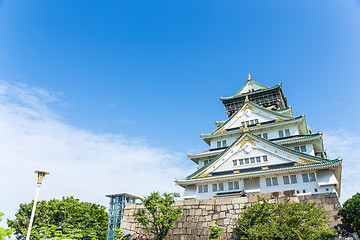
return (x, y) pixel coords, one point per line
(239, 200)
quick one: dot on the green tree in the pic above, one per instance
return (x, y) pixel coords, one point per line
(350, 212)
(120, 235)
(59, 219)
(215, 232)
(159, 214)
(288, 221)
(5, 232)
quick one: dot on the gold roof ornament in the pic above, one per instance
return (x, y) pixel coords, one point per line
(246, 98)
(246, 129)
(249, 77)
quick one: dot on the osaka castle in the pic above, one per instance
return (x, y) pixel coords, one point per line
(261, 148)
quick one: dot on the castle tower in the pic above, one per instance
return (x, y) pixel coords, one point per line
(261, 148)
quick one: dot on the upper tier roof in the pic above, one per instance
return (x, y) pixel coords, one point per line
(250, 86)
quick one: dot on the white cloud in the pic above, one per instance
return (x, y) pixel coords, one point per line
(81, 163)
(345, 144)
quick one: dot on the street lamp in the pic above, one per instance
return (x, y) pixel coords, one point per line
(40, 179)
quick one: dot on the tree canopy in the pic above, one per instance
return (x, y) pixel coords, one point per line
(159, 214)
(59, 219)
(350, 212)
(5, 232)
(287, 221)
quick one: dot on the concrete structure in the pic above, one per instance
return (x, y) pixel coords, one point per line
(261, 148)
(116, 211)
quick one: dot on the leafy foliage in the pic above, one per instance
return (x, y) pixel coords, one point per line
(215, 232)
(288, 221)
(350, 212)
(120, 235)
(59, 219)
(5, 232)
(159, 214)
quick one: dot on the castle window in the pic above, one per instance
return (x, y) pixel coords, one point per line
(234, 162)
(265, 136)
(218, 144)
(281, 133)
(271, 181)
(256, 121)
(206, 162)
(300, 149)
(224, 143)
(202, 188)
(218, 187)
(316, 190)
(258, 159)
(291, 179)
(252, 160)
(233, 185)
(251, 122)
(287, 132)
(246, 161)
(309, 177)
(241, 161)
(265, 159)
(303, 148)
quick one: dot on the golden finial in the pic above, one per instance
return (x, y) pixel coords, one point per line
(249, 77)
(246, 98)
(246, 129)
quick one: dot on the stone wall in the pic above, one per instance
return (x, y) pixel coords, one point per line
(199, 214)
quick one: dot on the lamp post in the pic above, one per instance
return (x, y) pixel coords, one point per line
(41, 175)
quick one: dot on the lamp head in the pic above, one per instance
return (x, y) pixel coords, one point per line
(41, 175)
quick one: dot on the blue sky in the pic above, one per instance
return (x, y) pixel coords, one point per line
(149, 75)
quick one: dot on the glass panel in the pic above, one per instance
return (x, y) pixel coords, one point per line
(200, 189)
(286, 179)
(274, 181)
(305, 178)
(236, 185)
(303, 148)
(265, 136)
(293, 179)
(205, 188)
(231, 185)
(287, 132)
(241, 161)
(251, 122)
(256, 121)
(214, 186)
(297, 149)
(252, 160)
(281, 134)
(258, 159)
(224, 143)
(218, 144)
(265, 158)
(312, 177)
(268, 181)
(234, 162)
(246, 161)
(221, 187)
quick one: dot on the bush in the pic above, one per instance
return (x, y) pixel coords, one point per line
(288, 221)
